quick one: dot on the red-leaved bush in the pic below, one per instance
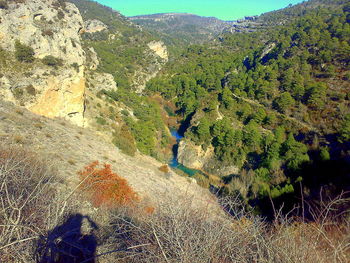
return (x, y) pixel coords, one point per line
(106, 188)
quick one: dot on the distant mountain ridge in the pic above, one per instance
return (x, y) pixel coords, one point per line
(192, 28)
(189, 27)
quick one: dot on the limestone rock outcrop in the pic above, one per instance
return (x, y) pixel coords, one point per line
(94, 25)
(60, 95)
(195, 157)
(51, 28)
(160, 49)
(92, 62)
(159, 54)
(102, 81)
(63, 97)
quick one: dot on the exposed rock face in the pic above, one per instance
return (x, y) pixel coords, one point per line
(102, 81)
(50, 28)
(267, 50)
(47, 27)
(93, 26)
(159, 48)
(60, 95)
(63, 97)
(92, 59)
(159, 52)
(194, 157)
(143, 76)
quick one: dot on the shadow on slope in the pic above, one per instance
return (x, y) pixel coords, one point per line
(67, 243)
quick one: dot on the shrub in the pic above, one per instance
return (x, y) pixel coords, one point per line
(19, 139)
(101, 121)
(31, 90)
(23, 53)
(75, 66)
(124, 140)
(47, 33)
(18, 93)
(125, 113)
(27, 199)
(106, 188)
(178, 230)
(164, 168)
(59, 4)
(52, 61)
(60, 14)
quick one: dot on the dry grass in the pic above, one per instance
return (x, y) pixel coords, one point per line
(174, 229)
(27, 203)
(19, 139)
(186, 234)
(183, 226)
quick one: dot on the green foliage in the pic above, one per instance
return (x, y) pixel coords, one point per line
(324, 154)
(124, 140)
(252, 135)
(101, 121)
(294, 153)
(148, 129)
(202, 132)
(23, 53)
(52, 61)
(284, 102)
(345, 129)
(144, 135)
(18, 93)
(317, 95)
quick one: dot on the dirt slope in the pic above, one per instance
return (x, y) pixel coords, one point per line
(71, 148)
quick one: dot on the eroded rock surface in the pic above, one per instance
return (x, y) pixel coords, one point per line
(51, 28)
(93, 26)
(159, 48)
(195, 157)
(47, 26)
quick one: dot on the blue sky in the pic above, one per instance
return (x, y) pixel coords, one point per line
(223, 9)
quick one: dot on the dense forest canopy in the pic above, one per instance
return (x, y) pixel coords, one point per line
(283, 92)
(270, 102)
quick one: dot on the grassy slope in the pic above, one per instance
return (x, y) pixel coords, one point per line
(71, 148)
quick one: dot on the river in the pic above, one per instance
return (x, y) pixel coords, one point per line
(174, 162)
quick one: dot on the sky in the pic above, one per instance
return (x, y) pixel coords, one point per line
(222, 9)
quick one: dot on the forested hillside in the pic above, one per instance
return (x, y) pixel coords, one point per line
(123, 144)
(272, 102)
(265, 108)
(182, 29)
(124, 50)
(121, 46)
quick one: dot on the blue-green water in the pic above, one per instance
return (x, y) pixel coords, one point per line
(174, 163)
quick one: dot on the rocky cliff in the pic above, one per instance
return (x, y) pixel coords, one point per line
(94, 25)
(159, 48)
(195, 157)
(52, 29)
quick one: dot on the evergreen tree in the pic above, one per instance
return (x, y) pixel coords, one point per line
(284, 102)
